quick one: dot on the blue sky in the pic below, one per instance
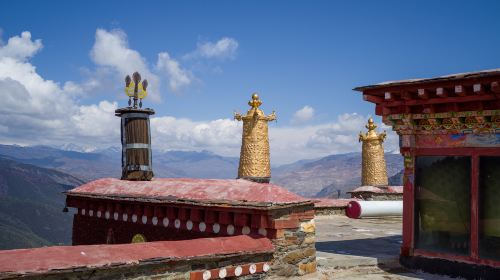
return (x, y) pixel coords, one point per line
(303, 57)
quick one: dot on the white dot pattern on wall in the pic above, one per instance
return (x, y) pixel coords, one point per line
(245, 230)
(238, 270)
(98, 213)
(216, 228)
(253, 269)
(134, 218)
(230, 229)
(222, 273)
(115, 216)
(144, 219)
(207, 275)
(189, 225)
(91, 213)
(83, 211)
(177, 223)
(263, 231)
(202, 226)
(125, 217)
(266, 267)
(107, 215)
(154, 220)
(165, 222)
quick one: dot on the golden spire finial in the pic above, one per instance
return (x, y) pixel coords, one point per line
(371, 125)
(373, 169)
(254, 157)
(255, 102)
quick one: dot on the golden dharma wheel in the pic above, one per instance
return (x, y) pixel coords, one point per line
(138, 238)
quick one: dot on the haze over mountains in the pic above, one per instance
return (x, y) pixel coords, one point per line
(32, 180)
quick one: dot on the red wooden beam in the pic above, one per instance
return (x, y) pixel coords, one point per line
(373, 99)
(478, 89)
(423, 93)
(457, 99)
(441, 92)
(428, 109)
(460, 90)
(495, 87)
(406, 95)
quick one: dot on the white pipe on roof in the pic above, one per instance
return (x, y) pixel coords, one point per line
(360, 209)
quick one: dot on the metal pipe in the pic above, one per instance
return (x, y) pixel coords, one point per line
(360, 209)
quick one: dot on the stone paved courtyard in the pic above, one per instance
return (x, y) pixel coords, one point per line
(360, 249)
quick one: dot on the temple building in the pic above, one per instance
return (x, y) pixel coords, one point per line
(449, 131)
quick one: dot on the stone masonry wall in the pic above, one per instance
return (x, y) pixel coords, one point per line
(377, 196)
(294, 241)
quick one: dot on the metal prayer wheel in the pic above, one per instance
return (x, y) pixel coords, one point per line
(136, 132)
(254, 156)
(373, 167)
(136, 143)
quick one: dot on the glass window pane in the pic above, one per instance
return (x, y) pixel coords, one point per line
(442, 204)
(489, 207)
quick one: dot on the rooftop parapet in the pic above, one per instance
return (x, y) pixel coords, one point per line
(186, 259)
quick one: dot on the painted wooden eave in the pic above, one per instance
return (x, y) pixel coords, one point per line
(452, 77)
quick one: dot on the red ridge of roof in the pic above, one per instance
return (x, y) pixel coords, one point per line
(450, 77)
(232, 191)
(373, 189)
(40, 260)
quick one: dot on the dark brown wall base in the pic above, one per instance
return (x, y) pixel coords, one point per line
(91, 230)
(451, 268)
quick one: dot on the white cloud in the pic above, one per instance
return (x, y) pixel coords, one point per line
(303, 115)
(97, 120)
(225, 48)
(111, 50)
(222, 136)
(39, 111)
(21, 47)
(177, 77)
(287, 143)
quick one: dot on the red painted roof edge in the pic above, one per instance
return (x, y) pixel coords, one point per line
(61, 258)
(332, 202)
(289, 199)
(381, 190)
(212, 203)
(451, 77)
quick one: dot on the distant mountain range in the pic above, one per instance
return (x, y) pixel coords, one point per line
(32, 179)
(323, 177)
(31, 203)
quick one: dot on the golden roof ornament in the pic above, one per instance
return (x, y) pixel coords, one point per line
(135, 89)
(254, 156)
(373, 167)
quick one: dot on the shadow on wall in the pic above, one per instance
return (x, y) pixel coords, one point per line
(387, 246)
